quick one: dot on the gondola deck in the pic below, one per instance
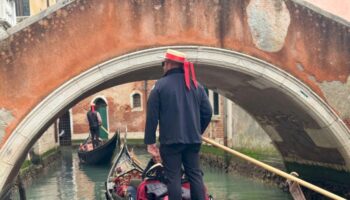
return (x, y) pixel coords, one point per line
(125, 178)
(128, 172)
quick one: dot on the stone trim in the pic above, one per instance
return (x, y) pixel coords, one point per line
(322, 12)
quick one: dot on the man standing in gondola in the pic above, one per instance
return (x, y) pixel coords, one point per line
(95, 122)
(181, 106)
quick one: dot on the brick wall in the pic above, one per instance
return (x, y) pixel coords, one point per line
(121, 114)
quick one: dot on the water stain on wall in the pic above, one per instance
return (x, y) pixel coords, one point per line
(268, 22)
(337, 94)
(5, 118)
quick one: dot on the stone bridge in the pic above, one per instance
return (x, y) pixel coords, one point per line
(285, 62)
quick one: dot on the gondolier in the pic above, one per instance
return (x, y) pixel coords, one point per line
(181, 106)
(95, 122)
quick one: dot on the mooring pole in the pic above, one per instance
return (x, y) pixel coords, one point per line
(226, 155)
(21, 190)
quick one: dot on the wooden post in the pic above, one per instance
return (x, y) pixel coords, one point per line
(295, 189)
(21, 190)
(226, 156)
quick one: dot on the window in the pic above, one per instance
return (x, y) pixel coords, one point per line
(136, 100)
(216, 103)
(22, 7)
(214, 100)
(26, 9)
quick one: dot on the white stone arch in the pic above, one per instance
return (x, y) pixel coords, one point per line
(14, 150)
(99, 97)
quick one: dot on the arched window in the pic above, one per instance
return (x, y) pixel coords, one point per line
(136, 100)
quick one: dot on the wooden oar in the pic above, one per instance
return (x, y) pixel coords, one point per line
(134, 158)
(103, 128)
(275, 170)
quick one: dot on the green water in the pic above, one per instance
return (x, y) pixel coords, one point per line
(70, 180)
(236, 187)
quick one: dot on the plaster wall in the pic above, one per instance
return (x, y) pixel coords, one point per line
(46, 141)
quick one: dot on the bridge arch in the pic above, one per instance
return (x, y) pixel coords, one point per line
(302, 126)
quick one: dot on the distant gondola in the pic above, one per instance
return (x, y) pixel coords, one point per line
(101, 154)
(126, 179)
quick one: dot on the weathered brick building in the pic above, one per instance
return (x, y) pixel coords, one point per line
(125, 107)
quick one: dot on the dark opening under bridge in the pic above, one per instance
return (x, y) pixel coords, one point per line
(283, 62)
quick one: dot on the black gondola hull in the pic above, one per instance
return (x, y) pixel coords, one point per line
(101, 154)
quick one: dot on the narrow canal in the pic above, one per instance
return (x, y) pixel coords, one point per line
(68, 179)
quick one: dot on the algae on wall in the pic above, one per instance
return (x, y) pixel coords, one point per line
(247, 133)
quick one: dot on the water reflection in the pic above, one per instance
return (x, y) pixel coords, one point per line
(236, 187)
(68, 179)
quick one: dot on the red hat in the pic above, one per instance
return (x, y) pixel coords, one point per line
(180, 57)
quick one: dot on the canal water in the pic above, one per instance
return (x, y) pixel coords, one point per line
(68, 179)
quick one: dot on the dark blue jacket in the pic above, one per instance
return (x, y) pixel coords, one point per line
(183, 114)
(92, 118)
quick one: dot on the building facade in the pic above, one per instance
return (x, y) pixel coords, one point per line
(7, 16)
(16, 11)
(7, 13)
(32, 7)
(124, 108)
(121, 107)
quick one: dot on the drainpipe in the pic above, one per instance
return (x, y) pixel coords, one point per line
(145, 83)
(226, 156)
(225, 121)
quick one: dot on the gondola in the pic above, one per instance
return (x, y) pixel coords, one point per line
(124, 169)
(101, 154)
(127, 180)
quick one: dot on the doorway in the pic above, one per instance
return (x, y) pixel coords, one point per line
(64, 129)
